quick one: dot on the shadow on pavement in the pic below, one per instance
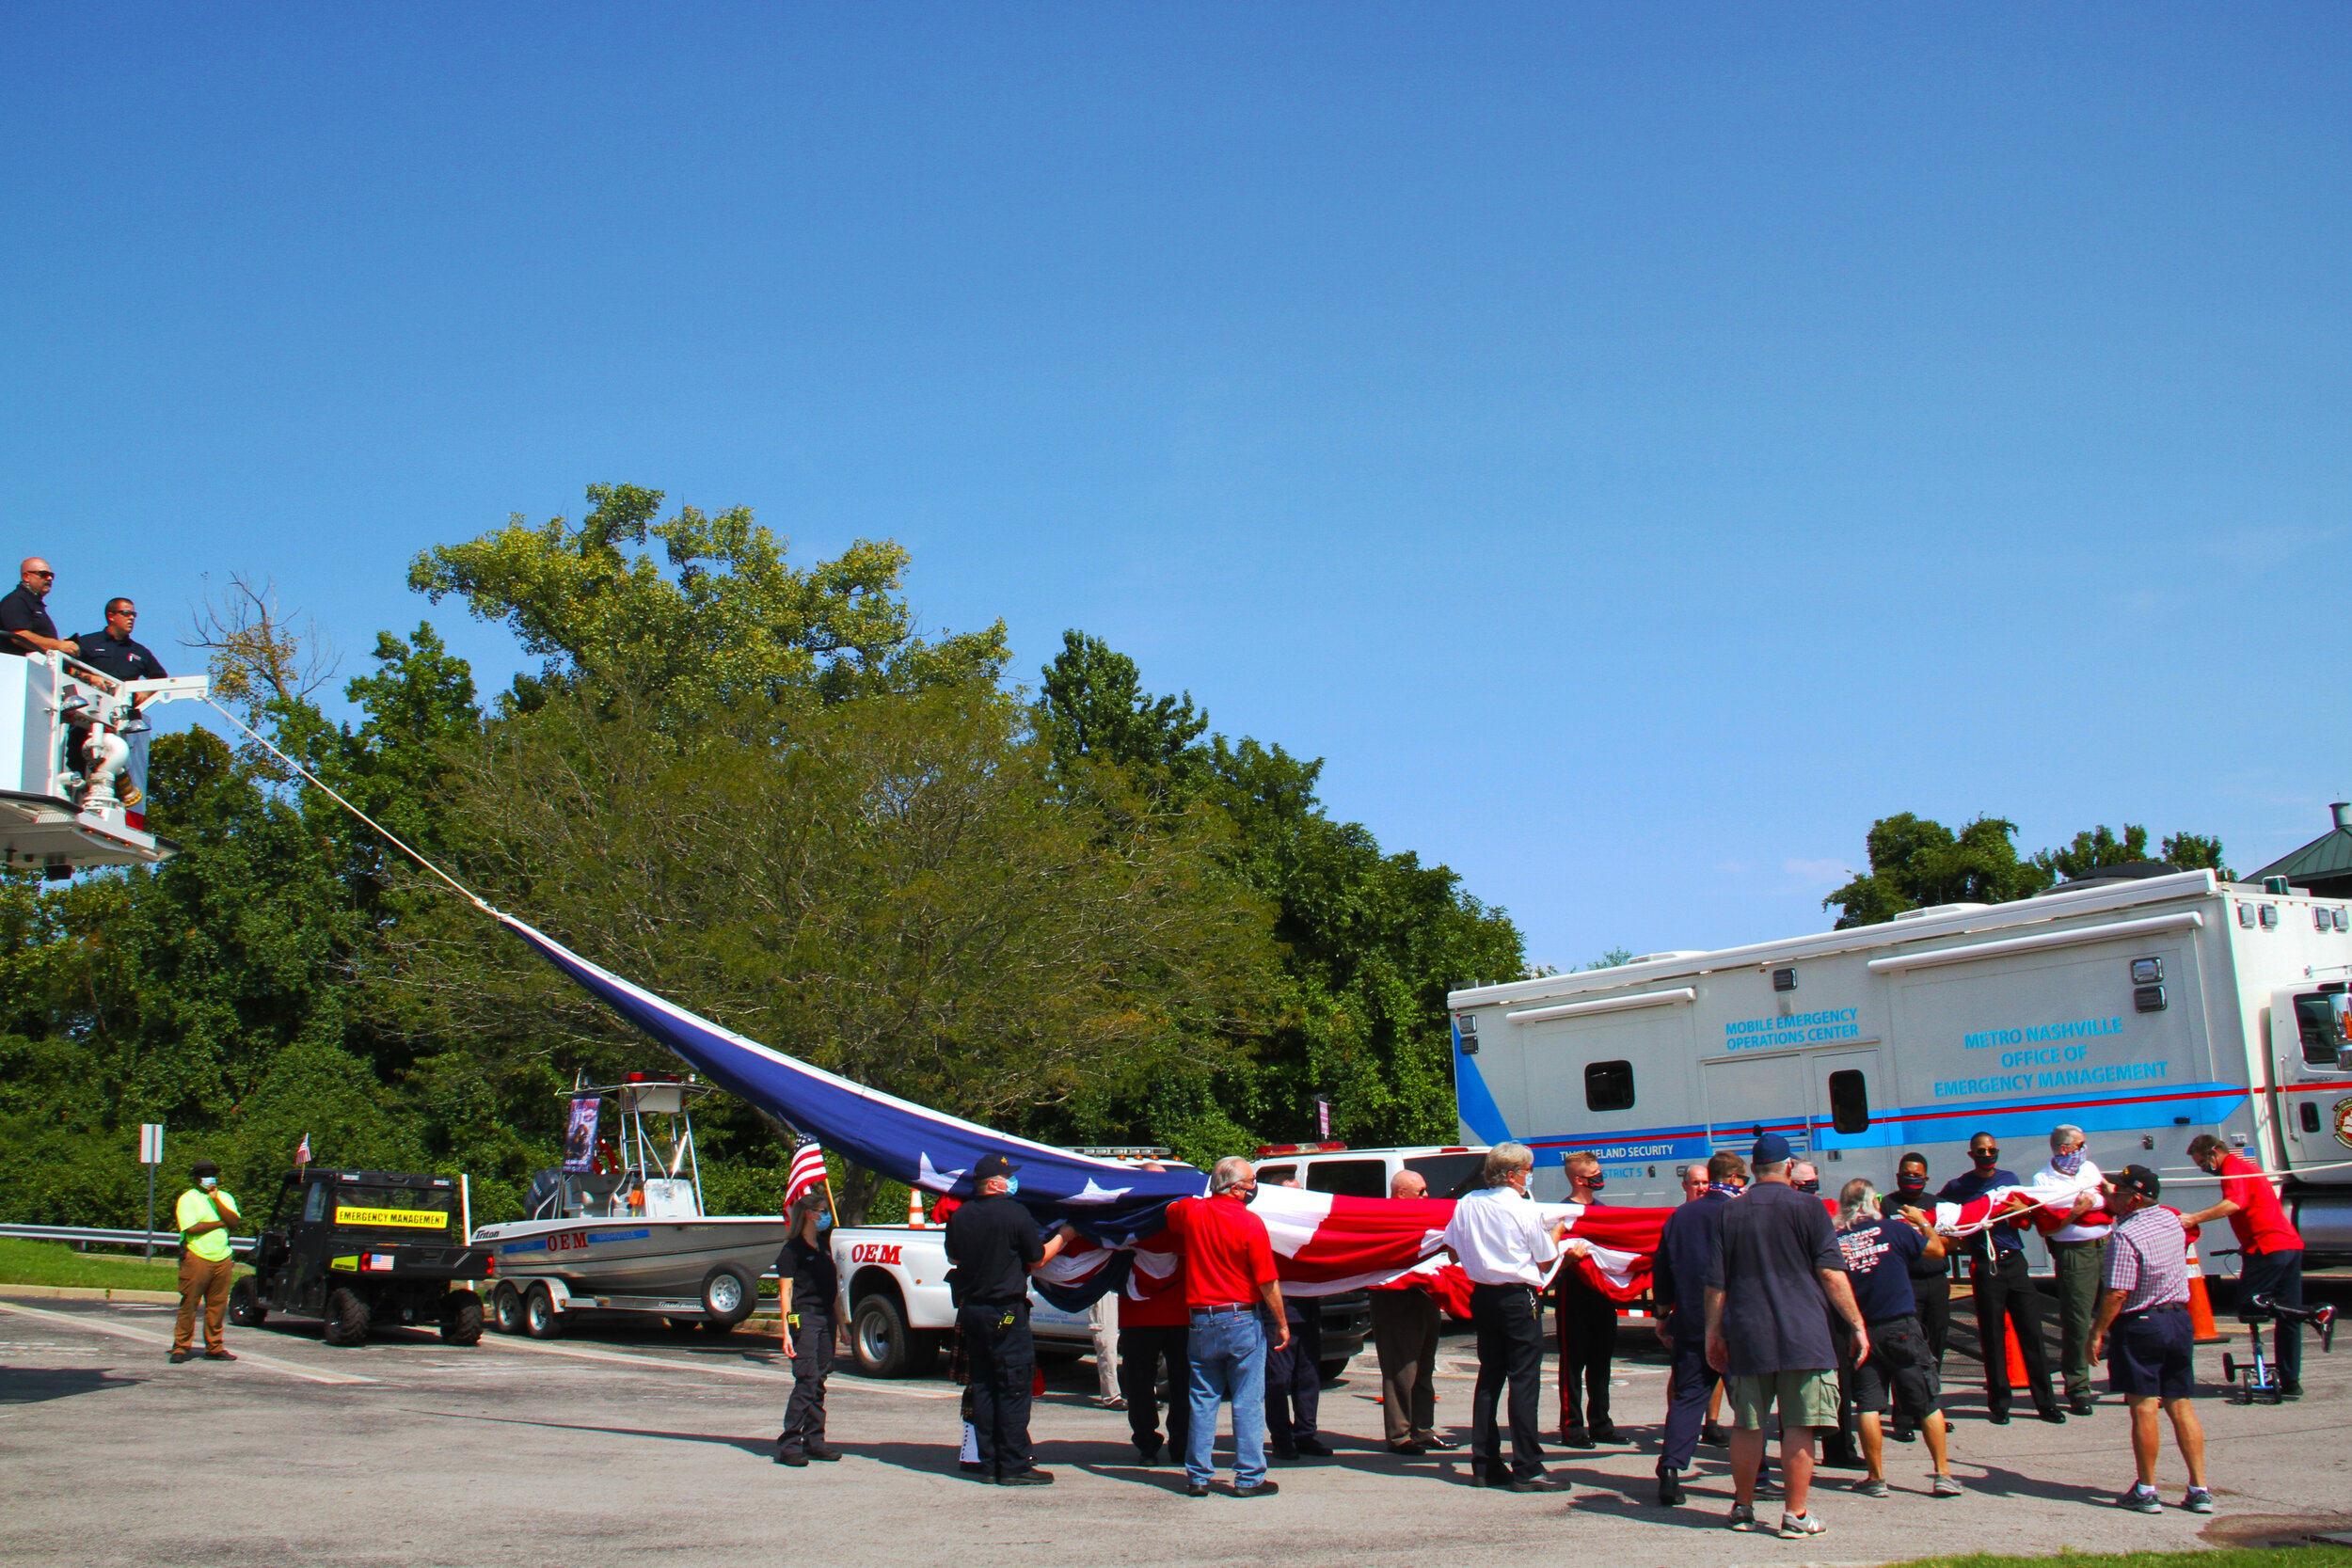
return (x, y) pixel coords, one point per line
(40, 1385)
(764, 1446)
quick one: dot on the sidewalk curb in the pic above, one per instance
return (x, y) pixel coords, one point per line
(84, 1293)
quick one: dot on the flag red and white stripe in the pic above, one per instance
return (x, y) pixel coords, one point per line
(807, 1170)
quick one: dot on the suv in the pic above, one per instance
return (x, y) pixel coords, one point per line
(356, 1248)
(1450, 1171)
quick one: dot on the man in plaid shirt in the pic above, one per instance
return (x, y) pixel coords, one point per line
(2146, 1306)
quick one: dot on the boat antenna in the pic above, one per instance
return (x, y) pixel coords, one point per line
(389, 837)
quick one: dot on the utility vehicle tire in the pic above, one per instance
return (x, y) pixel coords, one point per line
(729, 1294)
(540, 1318)
(878, 1339)
(1330, 1371)
(245, 1303)
(346, 1319)
(506, 1310)
(461, 1318)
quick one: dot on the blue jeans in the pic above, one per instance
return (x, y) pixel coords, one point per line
(1227, 1363)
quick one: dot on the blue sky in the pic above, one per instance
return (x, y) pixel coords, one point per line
(1636, 446)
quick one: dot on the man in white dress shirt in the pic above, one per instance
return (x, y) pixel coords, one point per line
(2078, 1258)
(1504, 1245)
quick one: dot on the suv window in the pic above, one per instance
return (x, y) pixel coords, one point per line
(1274, 1176)
(1350, 1177)
(1448, 1175)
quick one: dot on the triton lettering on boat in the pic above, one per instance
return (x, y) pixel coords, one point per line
(620, 1227)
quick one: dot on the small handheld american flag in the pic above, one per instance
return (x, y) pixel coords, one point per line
(302, 1154)
(807, 1170)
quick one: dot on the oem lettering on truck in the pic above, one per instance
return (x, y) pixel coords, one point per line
(2143, 1005)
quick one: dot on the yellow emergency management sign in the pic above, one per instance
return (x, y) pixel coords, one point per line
(412, 1219)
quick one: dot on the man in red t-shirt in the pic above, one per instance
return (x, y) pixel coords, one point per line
(1228, 1279)
(1155, 1325)
(2269, 1247)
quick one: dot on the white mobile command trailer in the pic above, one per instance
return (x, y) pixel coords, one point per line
(2144, 1009)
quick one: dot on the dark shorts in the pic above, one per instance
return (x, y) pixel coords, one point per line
(2154, 1353)
(1900, 1373)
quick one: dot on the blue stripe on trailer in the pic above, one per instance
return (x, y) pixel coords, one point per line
(1474, 1101)
(2198, 1104)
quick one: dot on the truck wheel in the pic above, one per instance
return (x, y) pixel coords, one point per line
(878, 1339)
(540, 1318)
(728, 1295)
(461, 1318)
(346, 1319)
(506, 1310)
(245, 1305)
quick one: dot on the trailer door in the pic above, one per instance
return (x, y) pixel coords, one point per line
(1750, 1095)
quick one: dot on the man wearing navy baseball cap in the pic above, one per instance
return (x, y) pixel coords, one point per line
(993, 1246)
(1776, 1276)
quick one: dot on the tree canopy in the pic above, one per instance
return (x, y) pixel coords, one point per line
(1917, 862)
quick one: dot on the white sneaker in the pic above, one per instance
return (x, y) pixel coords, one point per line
(1796, 1526)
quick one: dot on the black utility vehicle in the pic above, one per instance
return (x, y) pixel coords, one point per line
(361, 1247)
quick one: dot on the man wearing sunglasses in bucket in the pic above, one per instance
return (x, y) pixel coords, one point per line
(24, 624)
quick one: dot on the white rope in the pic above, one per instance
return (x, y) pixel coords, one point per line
(389, 836)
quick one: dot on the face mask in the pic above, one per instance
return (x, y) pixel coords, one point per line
(1595, 1183)
(1012, 1185)
(208, 1182)
(1729, 1189)
(1812, 1186)
(1985, 1156)
(2067, 1164)
(824, 1223)
(1908, 1183)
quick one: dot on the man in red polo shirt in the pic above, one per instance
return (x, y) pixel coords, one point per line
(1228, 1280)
(2271, 1248)
(1154, 1329)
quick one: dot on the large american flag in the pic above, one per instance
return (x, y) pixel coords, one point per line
(807, 1170)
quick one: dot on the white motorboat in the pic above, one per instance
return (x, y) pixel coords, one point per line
(621, 1227)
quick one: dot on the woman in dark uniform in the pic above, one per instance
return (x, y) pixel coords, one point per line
(806, 1260)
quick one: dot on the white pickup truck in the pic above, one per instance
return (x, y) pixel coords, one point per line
(894, 1297)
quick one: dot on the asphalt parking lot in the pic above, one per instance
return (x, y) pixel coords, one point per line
(622, 1447)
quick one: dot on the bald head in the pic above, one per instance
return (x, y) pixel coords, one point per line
(34, 574)
(1408, 1183)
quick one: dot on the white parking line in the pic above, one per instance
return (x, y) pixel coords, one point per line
(148, 1336)
(756, 1375)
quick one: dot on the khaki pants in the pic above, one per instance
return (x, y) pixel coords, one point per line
(2081, 1270)
(202, 1280)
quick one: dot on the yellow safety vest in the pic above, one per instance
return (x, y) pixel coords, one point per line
(197, 1207)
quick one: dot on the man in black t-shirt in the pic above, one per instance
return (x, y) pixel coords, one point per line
(113, 652)
(24, 624)
(2005, 1296)
(806, 1260)
(993, 1246)
(1879, 1253)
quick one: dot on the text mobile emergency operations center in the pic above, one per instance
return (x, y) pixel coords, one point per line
(2145, 1008)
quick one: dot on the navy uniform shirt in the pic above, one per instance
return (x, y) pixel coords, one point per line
(993, 1244)
(22, 609)
(814, 1279)
(1959, 1189)
(1679, 1269)
(122, 659)
(1877, 1265)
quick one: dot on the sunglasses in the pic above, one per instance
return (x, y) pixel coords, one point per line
(40, 574)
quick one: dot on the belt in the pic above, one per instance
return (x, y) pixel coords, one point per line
(1881, 1323)
(1225, 1307)
(2152, 1311)
(1506, 1285)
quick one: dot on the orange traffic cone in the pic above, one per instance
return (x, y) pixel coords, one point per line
(2200, 1303)
(2016, 1357)
(1037, 1383)
(915, 1209)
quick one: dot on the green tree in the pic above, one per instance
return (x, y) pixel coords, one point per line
(1917, 862)
(2092, 850)
(728, 618)
(2196, 852)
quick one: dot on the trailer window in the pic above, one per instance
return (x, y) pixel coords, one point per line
(2320, 1024)
(1350, 1177)
(1848, 1101)
(1608, 1085)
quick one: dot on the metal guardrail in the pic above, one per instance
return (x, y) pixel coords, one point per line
(164, 1240)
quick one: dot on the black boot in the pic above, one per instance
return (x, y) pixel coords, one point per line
(1669, 1487)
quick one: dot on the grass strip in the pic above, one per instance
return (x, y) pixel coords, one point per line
(26, 1262)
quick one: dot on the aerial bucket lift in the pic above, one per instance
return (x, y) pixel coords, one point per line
(73, 765)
